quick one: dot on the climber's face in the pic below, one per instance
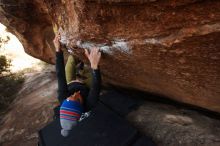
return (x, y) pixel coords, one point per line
(76, 97)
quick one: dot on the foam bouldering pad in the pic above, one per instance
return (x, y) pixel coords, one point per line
(50, 135)
(102, 128)
(143, 141)
(120, 103)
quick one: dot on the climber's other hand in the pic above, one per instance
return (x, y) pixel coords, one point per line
(56, 42)
(94, 57)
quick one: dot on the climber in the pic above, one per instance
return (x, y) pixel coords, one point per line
(75, 98)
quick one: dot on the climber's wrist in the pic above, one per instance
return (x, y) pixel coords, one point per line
(58, 50)
(94, 66)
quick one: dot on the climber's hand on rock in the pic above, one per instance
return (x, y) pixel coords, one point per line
(56, 42)
(94, 57)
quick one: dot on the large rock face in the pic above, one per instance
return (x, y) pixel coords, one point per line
(170, 48)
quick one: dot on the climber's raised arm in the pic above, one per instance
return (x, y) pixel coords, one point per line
(60, 70)
(94, 57)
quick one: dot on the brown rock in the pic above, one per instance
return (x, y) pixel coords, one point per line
(30, 22)
(169, 48)
(171, 125)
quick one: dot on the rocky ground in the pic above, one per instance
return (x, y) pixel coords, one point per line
(167, 124)
(30, 111)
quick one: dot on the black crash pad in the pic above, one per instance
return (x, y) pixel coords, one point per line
(50, 135)
(102, 128)
(143, 141)
(120, 103)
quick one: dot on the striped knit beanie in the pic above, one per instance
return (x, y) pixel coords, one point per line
(70, 113)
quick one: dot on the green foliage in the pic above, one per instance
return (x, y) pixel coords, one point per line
(4, 39)
(4, 65)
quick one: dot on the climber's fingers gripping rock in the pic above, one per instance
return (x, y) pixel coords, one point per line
(56, 42)
(94, 57)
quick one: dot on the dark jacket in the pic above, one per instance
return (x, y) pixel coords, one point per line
(64, 90)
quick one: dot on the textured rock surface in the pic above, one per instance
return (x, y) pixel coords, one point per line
(30, 22)
(169, 48)
(30, 111)
(176, 126)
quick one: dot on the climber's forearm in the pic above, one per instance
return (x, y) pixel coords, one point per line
(95, 89)
(60, 72)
